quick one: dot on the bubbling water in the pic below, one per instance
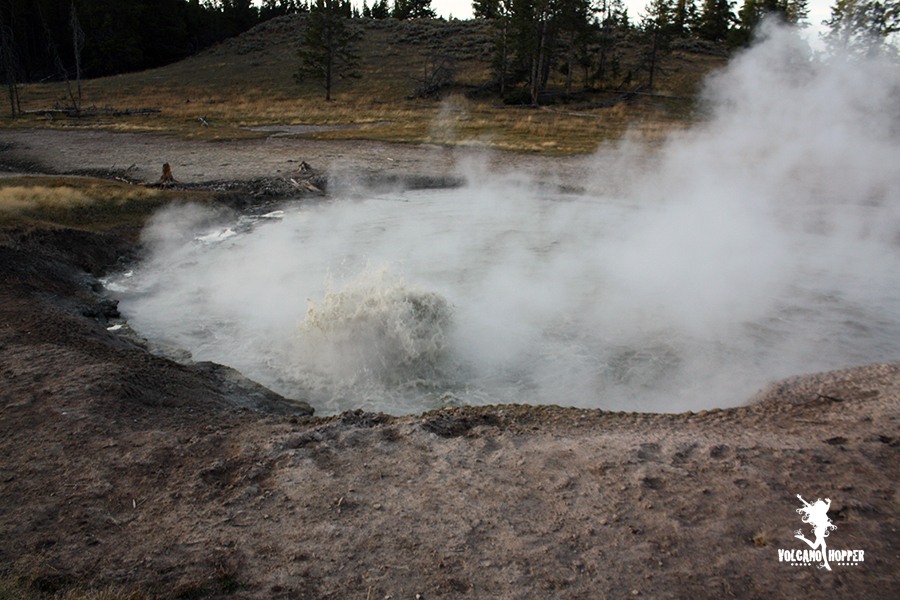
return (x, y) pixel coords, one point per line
(373, 332)
(508, 295)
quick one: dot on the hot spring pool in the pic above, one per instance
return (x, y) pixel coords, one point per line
(761, 243)
(408, 302)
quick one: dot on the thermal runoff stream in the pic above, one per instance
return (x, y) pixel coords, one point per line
(761, 244)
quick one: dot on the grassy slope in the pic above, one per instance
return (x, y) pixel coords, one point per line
(248, 81)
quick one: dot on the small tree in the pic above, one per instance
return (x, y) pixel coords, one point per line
(328, 46)
(658, 25)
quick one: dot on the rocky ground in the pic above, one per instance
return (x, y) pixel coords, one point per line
(121, 468)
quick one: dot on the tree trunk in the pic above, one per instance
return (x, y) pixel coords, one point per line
(503, 52)
(537, 63)
(328, 69)
(653, 59)
(77, 46)
(8, 66)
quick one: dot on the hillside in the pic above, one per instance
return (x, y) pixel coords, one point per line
(248, 81)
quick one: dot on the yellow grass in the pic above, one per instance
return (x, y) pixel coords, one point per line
(80, 202)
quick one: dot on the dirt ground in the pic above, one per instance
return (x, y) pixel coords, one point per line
(140, 157)
(124, 469)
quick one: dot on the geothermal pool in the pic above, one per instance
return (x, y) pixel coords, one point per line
(763, 242)
(495, 294)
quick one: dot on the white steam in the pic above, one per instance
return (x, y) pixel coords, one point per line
(761, 244)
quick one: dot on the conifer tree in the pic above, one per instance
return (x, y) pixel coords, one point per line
(613, 18)
(486, 9)
(573, 33)
(412, 9)
(327, 52)
(863, 26)
(716, 17)
(753, 12)
(502, 42)
(380, 10)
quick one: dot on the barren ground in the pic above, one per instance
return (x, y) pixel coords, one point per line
(120, 468)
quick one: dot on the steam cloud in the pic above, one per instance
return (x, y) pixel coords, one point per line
(761, 244)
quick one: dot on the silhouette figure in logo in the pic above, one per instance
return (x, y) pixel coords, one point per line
(816, 514)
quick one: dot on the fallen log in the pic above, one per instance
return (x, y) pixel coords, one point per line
(73, 112)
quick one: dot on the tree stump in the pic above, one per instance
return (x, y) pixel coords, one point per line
(167, 176)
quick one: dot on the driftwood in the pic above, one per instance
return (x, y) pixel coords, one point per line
(305, 180)
(305, 175)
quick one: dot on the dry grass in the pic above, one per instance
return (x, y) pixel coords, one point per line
(95, 204)
(15, 588)
(247, 81)
(32, 578)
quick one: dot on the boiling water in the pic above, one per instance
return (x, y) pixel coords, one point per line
(410, 302)
(762, 244)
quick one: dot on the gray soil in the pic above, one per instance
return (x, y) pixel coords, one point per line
(139, 158)
(122, 468)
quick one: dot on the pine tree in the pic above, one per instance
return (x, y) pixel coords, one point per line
(412, 9)
(380, 10)
(613, 17)
(658, 15)
(680, 18)
(863, 26)
(716, 18)
(328, 50)
(573, 31)
(502, 43)
(486, 9)
(753, 12)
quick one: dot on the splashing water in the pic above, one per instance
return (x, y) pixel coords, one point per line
(761, 244)
(373, 333)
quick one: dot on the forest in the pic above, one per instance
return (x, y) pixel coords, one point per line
(53, 40)
(50, 39)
